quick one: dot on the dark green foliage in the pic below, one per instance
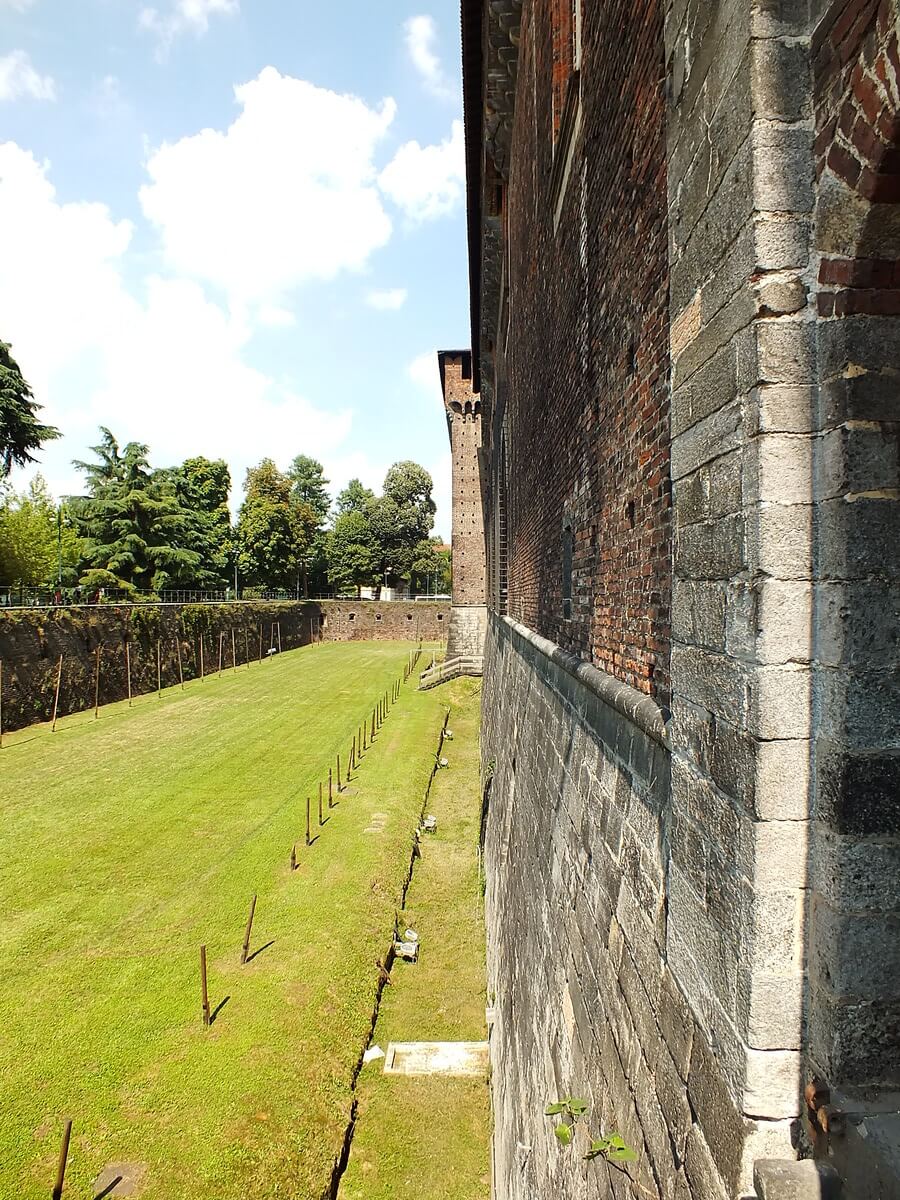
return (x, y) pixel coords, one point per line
(131, 521)
(274, 531)
(352, 552)
(21, 432)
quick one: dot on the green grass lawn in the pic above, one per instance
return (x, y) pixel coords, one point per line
(128, 842)
(429, 1138)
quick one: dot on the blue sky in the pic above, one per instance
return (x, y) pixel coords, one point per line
(235, 227)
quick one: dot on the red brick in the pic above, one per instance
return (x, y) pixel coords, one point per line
(844, 164)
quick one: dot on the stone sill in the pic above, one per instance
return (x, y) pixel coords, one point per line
(642, 710)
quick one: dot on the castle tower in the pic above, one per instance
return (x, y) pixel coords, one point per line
(463, 408)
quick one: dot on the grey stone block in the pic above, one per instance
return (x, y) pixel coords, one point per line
(780, 1179)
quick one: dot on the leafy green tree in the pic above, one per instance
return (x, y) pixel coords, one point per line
(310, 487)
(274, 531)
(132, 523)
(21, 432)
(37, 544)
(431, 566)
(354, 498)
(202, 486)
(402, 518)
(352, 552)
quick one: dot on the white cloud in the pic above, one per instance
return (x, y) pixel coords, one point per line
(388, 300)
(16, 5)
(421, 35)
(161, 363)
(184, 16)
(285, 195)
(19, 78)
(423, 371)
(274, 317)
(427, 181)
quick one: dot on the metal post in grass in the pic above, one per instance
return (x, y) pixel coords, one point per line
(245, 949)
(321, 822)
(158, 669)
(233, 652)
(278, 627)
(180, 665)
(204, 987)
(308, 838)
(56, 696)
(61, 1165)
(330, 777)
(364, 743)
(128, 669)
(372, 734)
(260, 643)
(247, 647)
(202, 674)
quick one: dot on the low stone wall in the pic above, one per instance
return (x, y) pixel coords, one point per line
(32, 640)
(585, 1004)
(371, 620)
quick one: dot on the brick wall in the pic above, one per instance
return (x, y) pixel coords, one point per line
(463, 408)
(584, 355)
(346, 620)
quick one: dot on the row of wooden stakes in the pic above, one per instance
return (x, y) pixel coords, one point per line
(362, 739)
(200, 665)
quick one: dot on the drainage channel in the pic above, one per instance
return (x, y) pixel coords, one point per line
(343, 1158)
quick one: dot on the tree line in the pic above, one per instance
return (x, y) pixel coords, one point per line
(145, 531)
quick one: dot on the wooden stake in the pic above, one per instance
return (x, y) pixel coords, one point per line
(364, 745)
(180, 667)
(61, 1166)
(247, 647)
(339, 786)
(260, 643)
(245, 949)
(330, 805)
(278, 627)
(128, 669)
(204, 989)
(321, 822)
(294, 857)
(221, 644)
(308, 838)
(56, 697)
(97, 684)
(202, 675)
(158, 670)
(372, 734)
(233, 652)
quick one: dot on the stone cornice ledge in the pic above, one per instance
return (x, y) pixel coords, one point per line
(640, 709)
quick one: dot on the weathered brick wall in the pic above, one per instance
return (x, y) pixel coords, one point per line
(32, 640)
(463, 409)
(586, 421)
(348, 620)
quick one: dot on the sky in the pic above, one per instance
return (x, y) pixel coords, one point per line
(235, 228)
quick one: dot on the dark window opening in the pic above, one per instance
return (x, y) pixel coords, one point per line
(568, 553)
(352, 616)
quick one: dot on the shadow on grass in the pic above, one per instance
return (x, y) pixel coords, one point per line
(109, 1189)
(215, 1012)
(250, 957)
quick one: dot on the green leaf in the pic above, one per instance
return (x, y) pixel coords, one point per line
(564, 1133)
(577, 1108)
(553, 1110)
(622, 1154)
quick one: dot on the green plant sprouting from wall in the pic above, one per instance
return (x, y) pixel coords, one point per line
(611, 1147)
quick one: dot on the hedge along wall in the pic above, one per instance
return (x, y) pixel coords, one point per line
(32, 640)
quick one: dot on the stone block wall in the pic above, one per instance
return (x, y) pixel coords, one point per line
(349, 620)
(586, 999)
